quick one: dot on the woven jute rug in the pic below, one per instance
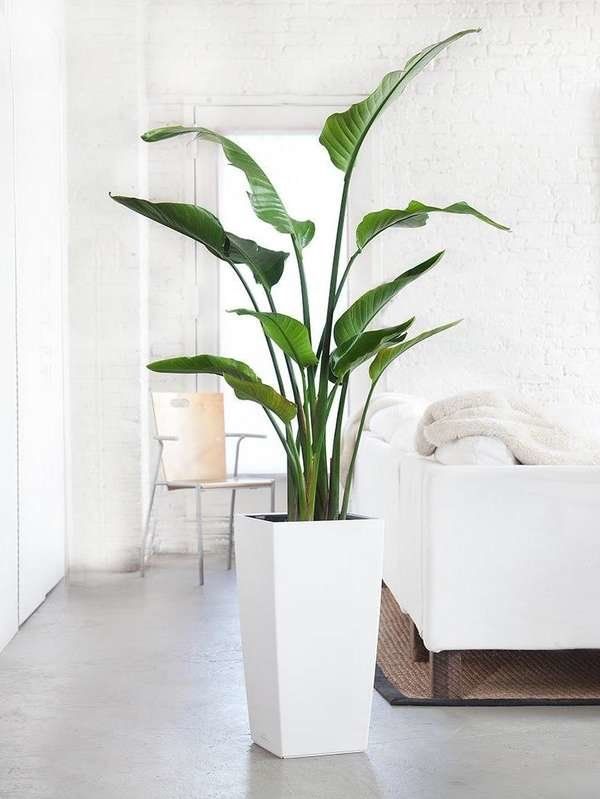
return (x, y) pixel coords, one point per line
(487, 677)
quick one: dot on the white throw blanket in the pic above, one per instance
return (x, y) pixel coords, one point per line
(532, 437)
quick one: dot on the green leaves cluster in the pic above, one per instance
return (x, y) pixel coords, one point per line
(317, 379)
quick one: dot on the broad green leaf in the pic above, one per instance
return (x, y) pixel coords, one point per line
(266, 265)
(264, 198)
(415, 214)
(385, 357)
(356, 351)
(344, 133)
(204, 364)
(199, 224)
(264, 395)
(287, 332)
(194, 222)
(359, 315)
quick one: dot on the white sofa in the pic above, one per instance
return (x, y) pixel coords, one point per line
(487, 557)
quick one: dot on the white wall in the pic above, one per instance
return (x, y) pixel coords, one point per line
(106, 280)
(38, 75)
(9, 610)
(505, 120)
(32, 505)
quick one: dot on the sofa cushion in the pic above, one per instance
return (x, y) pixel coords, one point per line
(475, 451)
(397, 423)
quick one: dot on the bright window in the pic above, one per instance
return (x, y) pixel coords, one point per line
(310, 187)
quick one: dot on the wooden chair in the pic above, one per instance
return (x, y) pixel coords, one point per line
(191, 454)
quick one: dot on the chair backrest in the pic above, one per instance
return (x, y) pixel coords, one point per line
(197, 420)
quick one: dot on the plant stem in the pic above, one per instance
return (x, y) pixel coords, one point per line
(334, 472)
(350, 474)
(287, 442)
(321, 412)
(338, 294)
(280, 435)
(344, 277)
(302, 425)
(315, 465)
(306, 319)
(303, 507)
(303, 285)
(332, 289)
(267, 339)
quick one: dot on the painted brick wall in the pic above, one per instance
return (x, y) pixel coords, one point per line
(506, 120)
(106, 280)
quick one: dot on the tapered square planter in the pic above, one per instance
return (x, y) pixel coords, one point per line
(309, 597)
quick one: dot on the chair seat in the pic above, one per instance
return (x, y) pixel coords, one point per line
(229, 482)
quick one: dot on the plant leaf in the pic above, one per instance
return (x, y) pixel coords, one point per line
(191, 220)
(204, 364)
(415, 214)
(344, 133)
(288, 333)
(264, 395)
(352, 353)
(266, 265)
(358, 316)
(263, 196)
(199, 224)
(386, 356)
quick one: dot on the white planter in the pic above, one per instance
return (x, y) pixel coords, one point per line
(309, 611)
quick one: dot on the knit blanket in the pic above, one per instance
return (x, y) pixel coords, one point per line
(533, 437)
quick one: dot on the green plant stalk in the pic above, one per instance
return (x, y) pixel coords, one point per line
(287, 441)
(321, 495)
(293, 459)
(314, 477)
(326, 349)
(338, 293)
(334, 470)
(300, 485)
(292, 494)
(303, 285)
(344, 277)
(302, 426)
(348, 485)
(306, 409)
(321, 411)
(248, 290)
(306, 319)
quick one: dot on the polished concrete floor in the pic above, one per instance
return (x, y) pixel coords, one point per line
(122, 688)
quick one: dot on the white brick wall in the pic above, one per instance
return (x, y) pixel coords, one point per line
(106, 278)
(506, 120)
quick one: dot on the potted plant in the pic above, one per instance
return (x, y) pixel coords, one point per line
(309, 580)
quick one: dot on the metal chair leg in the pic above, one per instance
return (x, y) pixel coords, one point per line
(200, 538)
(231, 516)
(146, 532)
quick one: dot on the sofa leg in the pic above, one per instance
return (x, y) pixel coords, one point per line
(420, 653)
(445, 675)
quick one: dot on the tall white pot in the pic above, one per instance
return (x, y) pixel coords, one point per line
(309, 610)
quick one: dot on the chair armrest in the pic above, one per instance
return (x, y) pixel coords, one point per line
(240, 437)
(245, 435)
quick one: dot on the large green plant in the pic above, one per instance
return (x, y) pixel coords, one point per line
(318, 376)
